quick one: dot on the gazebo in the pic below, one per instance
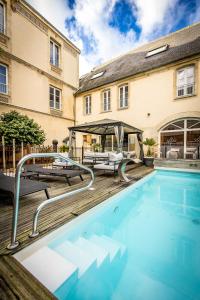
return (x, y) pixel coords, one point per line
(107, 127)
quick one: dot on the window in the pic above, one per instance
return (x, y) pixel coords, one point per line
(181, 139)
(157, 50)
(54, 98)
(3, 79)
(2, 17)
(54, 53)
(123, 96)
(97, 75)
(185, 81)
(106, 100)
(88, 105)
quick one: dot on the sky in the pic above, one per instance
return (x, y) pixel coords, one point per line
(105, 29)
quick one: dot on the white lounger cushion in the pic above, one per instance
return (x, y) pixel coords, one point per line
(115, 156)
(105, 167)
(61, 162)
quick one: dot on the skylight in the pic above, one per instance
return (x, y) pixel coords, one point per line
(157, 50)
(97, 75)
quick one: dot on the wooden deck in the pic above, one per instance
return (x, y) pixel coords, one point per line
(53, 216)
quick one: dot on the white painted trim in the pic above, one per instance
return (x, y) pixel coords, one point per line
(6, 79)
(4, 15)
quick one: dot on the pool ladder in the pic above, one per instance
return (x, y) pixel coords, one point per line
(14, 243)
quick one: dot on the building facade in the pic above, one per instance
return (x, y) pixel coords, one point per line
(155, 88)
(39, 69)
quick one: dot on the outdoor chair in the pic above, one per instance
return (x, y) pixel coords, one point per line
(111, 164)
(191, 152)
(27, 186)
(173, 153)
(92, 158)
(67, 174)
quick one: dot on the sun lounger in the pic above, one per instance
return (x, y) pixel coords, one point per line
(67, 174)
(60, 162)
(27, 186)
(111, 165)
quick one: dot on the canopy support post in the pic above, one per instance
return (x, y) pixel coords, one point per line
(140, 141)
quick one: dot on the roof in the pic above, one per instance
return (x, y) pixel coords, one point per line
(182, 44)
(104, 126)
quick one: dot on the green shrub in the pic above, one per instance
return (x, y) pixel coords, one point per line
(13, 125)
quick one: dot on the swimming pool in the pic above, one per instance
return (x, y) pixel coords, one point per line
(143, 243)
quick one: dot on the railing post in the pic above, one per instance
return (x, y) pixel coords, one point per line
(22, 149)
(4, 153)
(14, 156)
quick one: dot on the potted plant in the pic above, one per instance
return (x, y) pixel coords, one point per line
(64, 148)
(149, 158)
(96, 147)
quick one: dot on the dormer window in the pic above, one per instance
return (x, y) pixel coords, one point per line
(97, 75)
(2, 17)
(54, 53)
(157, 50)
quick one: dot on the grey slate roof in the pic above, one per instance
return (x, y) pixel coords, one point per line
(135, 62)
(104, 126)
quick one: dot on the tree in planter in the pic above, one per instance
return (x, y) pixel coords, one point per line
(13, 125)
(149, 142)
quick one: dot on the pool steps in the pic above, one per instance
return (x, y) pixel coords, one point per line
(50, 268)
(73, 260)
(76, 256)
(93, 250)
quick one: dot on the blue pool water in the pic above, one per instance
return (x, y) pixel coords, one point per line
(142, 244)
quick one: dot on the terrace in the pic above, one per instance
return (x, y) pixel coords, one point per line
(55, 215)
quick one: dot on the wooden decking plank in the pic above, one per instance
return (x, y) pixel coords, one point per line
(17, 283)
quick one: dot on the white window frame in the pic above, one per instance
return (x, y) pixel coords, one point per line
(88, 105)
(123, 102)
(98, 75)
(157, 50)
(182, 90)
(6, 85)
(53, 59)
(4, 18)
(106, 100)
(54, 98)
(183, 130)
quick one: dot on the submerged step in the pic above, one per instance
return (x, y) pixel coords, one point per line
(92, 249)
(77, 256)
(114, 242)
(49, 267)
(111, 248)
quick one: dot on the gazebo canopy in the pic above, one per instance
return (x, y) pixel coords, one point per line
(105, 127)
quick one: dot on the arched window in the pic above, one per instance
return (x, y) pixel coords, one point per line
(180, 139)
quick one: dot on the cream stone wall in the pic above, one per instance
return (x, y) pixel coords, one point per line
(152, 101)
(55, 128)
(25, 49)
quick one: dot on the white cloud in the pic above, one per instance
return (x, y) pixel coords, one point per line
(151, 14)
(55, 12)
(92, 19)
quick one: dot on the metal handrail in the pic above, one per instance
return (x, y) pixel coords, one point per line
(14, 243)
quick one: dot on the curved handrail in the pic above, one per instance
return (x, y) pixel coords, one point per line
(14, 243)
(122, 168)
